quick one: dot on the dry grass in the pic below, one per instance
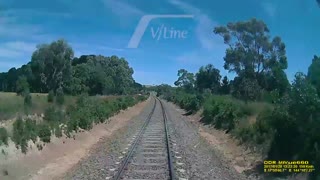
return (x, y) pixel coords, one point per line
(12, 105)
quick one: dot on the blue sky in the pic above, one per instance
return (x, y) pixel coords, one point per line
(106, 26)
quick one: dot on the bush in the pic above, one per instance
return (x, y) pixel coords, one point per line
(259, 134)
(19, 135)
(18, 130)
(58, 131)
(93, 110)
(53, 114)
(141, 98)
(190, 102)
(60, 97)
(222, 113)
(102, 111)
(50, 96)
(3, 136)
(44, 132)
(27, 102)
(31, 130)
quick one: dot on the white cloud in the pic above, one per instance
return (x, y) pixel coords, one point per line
(15, 49)
(17, 30)
(269, 8)
(212, 47)
(122, 9)
(12, 26)
(205, 25)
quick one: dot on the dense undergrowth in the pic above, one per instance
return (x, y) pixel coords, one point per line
(288, 129)
(59, 120)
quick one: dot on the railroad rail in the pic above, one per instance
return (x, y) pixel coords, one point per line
(149, 156)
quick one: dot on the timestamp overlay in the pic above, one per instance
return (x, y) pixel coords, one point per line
(272, 166)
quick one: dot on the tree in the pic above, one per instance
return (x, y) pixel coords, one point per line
(225, 86)
(276, 80)
(22, 86)
(101, 75)
(12, 78)
(296, 123)
(82, 59)
(186, 80)
(3, 81)
(251, 53)
(314, 73)
(208, 77)
(304, 99)
(53, 67)
(163, 90)
(245, 88)
(51, 64)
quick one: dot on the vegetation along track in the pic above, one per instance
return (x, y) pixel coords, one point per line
(149, 155)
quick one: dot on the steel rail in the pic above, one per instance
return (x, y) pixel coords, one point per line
(136, 142)
(170, 160)
(133, 147)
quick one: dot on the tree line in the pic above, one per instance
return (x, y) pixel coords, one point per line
(53, 67)
(286, 125)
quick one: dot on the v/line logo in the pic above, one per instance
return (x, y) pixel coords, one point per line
(165, 33)
(160, 32)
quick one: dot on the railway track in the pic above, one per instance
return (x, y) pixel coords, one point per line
(149, 155)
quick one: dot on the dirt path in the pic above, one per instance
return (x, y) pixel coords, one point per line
(62, 154)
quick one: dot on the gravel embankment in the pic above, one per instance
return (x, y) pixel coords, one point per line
(196, 159)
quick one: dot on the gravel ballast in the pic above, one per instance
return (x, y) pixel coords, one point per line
(102, 159)
(197, 160)
(193, 158)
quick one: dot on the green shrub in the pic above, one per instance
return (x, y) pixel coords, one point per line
(52, 114)
(60, 97)
(3, 136)
(27, 103)
(18, 130)
(58, 131)
(260, 133)
(44, 132)
(72, 125)
(50, 96)
(223, 113)
(141, 98)
(31, 130)
(189, 102)
(19, 135)
(102, 112)
(88, 111)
